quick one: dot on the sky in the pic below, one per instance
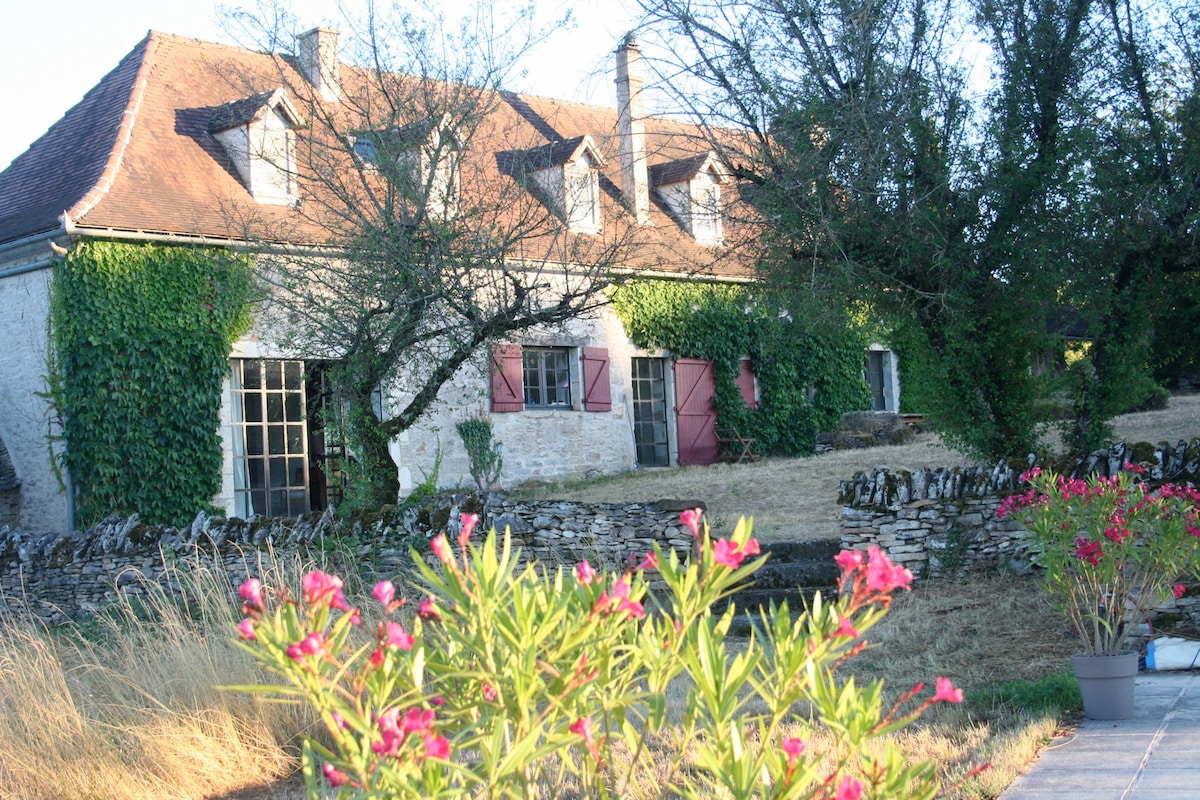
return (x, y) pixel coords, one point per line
(56, 50)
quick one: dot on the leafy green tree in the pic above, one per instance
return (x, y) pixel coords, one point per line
(967, 212)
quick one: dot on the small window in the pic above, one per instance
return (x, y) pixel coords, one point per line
(706, 209)
(366, 151)
(443, 184)
(547, 377)
(581, 201)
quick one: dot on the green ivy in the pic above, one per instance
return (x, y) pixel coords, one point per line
(808, 374)
(141, 345)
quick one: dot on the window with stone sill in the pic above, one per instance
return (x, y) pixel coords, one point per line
(547, 377)
(550, 378)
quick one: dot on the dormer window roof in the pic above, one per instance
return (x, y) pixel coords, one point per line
(566, 174)
(257, 133)
(425, 155)
(691, 189)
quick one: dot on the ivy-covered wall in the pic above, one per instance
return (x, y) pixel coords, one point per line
(809, 373)
(141, 336)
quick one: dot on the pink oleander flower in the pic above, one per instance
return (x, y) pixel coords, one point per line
(730, 554)
(320, 589)
(390, 735)
(384, 592)
(1116, 534)
(333, 775)
(691, 518)
(883, 575)
(583, 727)
(417, 721)
(1178, 590)
(793, 748)
(849, 788)
(339, 721)
(619, 601)
(649, 561)
(1089, 551)
(946, 693)
(846, 628)
(584, 573)
(427, 610)
(437, 746)
(489, 693)
(437, 700)
(848, 561)
(441, 549)
(1030, 474)
(311, 645)
(246, 629)
(469, 521)
(392, 634)
(251, 593)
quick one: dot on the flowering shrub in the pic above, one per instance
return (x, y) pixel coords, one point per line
(526, 683)
(1112, 549)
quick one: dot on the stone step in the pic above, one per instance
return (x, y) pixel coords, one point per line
(794, 572)
(809, 549)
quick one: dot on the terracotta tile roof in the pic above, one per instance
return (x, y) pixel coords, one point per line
(137, 154)
(248, 109)
(677, 171)
(71, 158)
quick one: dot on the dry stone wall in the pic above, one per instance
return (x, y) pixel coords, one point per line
(59, 576)
(943, 522)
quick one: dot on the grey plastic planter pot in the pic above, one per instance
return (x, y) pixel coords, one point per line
(1106, 683)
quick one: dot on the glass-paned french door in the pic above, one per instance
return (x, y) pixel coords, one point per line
(650, 413)
(270, 438)
(875, 377)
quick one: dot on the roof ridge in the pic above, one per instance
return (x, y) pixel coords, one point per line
(124, 134)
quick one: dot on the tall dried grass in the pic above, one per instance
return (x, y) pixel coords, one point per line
(126, 706)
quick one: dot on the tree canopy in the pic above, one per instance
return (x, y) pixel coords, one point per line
(991, 178)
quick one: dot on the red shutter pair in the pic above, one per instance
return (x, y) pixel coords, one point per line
(508, 393)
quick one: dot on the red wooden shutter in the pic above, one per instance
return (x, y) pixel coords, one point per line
(597, 388)
(508, 392)
(745, 384)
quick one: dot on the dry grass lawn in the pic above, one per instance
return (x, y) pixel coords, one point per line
(796, 498)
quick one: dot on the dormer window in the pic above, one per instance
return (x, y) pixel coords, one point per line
(421, 159)
(566, 176)
(691, 190)
(257, 133)
(582, 207)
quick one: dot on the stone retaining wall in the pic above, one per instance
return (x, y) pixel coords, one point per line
(62, 576)
(942, 522)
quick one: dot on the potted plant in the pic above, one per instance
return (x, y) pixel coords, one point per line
(1111, 549)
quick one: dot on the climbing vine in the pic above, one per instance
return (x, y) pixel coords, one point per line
(808, 374)
(141, 345)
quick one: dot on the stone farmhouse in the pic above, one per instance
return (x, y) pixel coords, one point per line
(190, 143)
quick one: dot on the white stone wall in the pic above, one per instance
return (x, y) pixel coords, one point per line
(537, 444)
(24, 416)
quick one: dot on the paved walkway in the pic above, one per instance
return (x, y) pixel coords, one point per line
(1153, 756)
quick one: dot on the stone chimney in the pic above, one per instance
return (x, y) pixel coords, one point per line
(318, 60)
(635, 184)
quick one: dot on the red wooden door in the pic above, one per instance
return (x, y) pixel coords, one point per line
(695, 411)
